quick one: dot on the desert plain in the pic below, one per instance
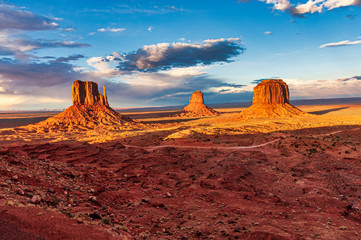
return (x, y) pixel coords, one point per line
(161, 174)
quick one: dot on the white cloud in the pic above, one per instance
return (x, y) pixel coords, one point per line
(111, 29)
(150, 28)
(279, 4)
(103, 67)
(331, 4)
(230, 89)
(311, 6)
(69, 30)
(268, 33)
(341, 43)
(331, 88)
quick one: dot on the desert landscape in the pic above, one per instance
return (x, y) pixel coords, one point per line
(270, 171)
(165, 120)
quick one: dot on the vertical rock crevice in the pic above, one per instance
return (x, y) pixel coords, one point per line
(87, 93)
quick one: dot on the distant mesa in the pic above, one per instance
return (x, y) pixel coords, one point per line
(90, 110)
(196, 107)
(271, 99)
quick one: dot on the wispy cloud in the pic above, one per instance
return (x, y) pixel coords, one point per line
(70, 29)
(35, 74)
(108, 29)
(15, 46)
(268, 33)
(126, 9)
(15, 22)
(12, 17)
(68, 59)
(341, 43)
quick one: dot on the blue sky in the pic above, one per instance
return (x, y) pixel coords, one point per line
(156, 53)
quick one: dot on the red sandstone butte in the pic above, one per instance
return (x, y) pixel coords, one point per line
(86, 93)
(271, 99)
(271, 91)
(196, 106)
(90, 109)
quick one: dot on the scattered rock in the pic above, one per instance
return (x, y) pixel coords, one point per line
(95, 215)
(15, 177)
(93, 198)
(35, 199)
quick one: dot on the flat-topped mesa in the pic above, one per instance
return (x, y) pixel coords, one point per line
(87, 93)
(271, 100)
(271, 91)
(196, 106)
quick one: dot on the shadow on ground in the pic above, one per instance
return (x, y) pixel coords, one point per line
(322, 112)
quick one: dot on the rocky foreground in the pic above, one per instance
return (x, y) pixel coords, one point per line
(302, 184)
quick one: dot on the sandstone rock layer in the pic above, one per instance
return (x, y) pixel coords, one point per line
(270, 100)
(196, 107)
(271, 91)
(90, 110)
(86, 93)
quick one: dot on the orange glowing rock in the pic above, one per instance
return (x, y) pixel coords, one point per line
(196, 107)
(271, 99)
(90, 110)
(86, 93)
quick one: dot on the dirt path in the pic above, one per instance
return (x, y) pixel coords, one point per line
(152, 148)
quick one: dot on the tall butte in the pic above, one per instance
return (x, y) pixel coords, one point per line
(196, 107)
(271, 99)
(90, 110)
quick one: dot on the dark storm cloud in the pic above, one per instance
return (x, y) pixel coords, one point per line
(350, 78)
(67, 59)
(13, 18)
(165, 56)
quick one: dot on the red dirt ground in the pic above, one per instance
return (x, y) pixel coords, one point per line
(304, 186)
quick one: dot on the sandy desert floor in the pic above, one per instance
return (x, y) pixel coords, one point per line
(220, 177)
